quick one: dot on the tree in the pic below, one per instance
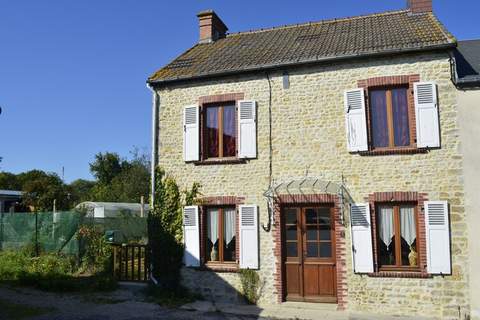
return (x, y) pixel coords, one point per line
(106, 166)
(9, 181)
(81, 190)
(41, 189)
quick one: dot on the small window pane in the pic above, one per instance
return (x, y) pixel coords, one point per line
(291, 233)
(378, 110)
(325, 250)
(312, 249)
(212, 235)
(229, 234)
(401, 125)
(311, 215)
(386, 234)
(325, 233)
(292, 249)
(211, 139)
(408, 230)
(312, 233)
(291, 216)
(324, 216)
(229, 131)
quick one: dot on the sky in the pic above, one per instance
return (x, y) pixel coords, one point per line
(73, 73)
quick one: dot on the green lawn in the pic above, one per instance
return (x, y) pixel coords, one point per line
(20, 311)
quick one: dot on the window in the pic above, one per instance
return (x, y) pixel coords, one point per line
(390, 120)
(397, 236)
(220, 131)
(221, 234)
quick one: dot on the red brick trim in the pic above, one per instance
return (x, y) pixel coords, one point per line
(398, 196)
(378, 82)
(204, 203)
(203, 102)
(341, 262)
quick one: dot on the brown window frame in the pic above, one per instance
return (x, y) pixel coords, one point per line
(221, 232)
(398, 249)
(220, 123)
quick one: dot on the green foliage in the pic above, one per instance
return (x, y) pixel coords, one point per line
(12, 264)
(98, 253)
(165, 228)
(9, 181)
(81, 190)
(250, 281)
(171, 298)
(106, 166)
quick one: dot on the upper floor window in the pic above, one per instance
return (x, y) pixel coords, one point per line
(220, 131)
(390, 121)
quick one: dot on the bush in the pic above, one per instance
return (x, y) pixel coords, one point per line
(98, 252)
(250, 285)
(12, 264)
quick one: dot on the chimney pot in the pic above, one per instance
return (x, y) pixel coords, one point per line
(420, 6)
(212, 27)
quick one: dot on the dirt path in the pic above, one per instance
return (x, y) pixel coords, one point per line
(118, 305)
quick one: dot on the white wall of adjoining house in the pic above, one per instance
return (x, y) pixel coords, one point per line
(469, 123)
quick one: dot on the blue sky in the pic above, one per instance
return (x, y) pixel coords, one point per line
(72, 73)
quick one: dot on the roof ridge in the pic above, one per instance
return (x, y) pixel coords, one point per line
(288, 26)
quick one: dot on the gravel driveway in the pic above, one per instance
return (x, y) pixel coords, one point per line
(118, 305)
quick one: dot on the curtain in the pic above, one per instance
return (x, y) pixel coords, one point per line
(212, 132)
(400, 117)
(229, 131)
(378, 106)
(229, 221)
(212, 225)
(385, 222)
(408, 225)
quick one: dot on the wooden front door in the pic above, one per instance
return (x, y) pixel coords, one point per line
(309, 254)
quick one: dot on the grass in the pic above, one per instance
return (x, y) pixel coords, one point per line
(171, 298)
(20, 311)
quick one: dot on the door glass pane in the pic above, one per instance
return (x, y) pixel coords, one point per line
(378, 110)
(229, 234)
(212, 235)
(292, 233)
(325, 233)
(211, 139)
(291, 216)
(312, 233)
(386, 234)
(229, 131)
(408, 230)
(325, 250)
(312, 249)
(311, 216)
(292, 249)
(400, 117)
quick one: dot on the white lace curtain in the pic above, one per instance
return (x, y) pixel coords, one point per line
(229, 221)
(229, 224)
(407, 224)
(385, 222)
(212, 225)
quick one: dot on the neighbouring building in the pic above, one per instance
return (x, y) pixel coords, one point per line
(9, 200)
(331, 160)
(467, 78)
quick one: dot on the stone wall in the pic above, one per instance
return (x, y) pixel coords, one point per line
(309, 139)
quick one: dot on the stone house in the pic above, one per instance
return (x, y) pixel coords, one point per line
(330, 161)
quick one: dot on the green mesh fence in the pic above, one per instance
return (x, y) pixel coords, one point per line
(58, 232)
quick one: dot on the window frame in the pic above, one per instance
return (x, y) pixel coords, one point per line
(220, 124)
(396, 223)
(221, 232)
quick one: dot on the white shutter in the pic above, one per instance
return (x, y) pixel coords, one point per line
(438, 237)
(247, 129)
(191, 133)
(355, 120)
(362, 251)
(426, 112)
(248, 237)
(191, 236)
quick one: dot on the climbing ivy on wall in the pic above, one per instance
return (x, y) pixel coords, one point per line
(165, 228)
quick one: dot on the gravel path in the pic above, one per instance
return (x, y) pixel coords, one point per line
(118, 305)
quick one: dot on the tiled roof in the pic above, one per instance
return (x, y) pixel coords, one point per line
(467, 58)
(306, 43)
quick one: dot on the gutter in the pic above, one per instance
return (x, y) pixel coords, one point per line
(155, 133)
(267, 67)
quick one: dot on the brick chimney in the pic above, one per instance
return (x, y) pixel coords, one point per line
(212, 27)
(420, 6)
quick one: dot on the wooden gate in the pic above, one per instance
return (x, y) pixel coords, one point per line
(131, 262)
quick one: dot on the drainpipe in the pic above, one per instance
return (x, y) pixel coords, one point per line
(155, 134)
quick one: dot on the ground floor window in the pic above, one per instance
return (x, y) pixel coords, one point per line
(221, 234)
(397, 235)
